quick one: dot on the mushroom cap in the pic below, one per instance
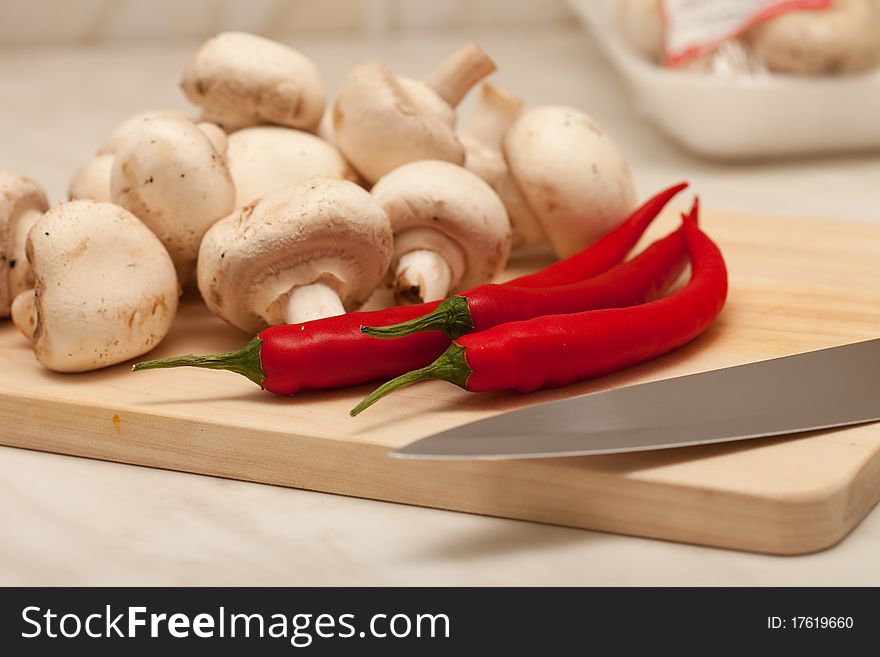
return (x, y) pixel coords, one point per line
(325, 127)
(241, 79)
(92, 180)
(22, 201)
(382, 121)
(216, 135)
(105, 287)
(443, 207)
(268, 158)
(118, 134)
(167, 173)
(573, 177)
(321, 230)
(845, 38)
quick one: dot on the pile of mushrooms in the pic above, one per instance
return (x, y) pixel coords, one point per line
(278, 209)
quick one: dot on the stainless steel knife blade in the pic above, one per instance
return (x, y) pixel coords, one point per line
(814, 390)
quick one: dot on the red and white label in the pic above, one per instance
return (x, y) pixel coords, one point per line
(695, 27)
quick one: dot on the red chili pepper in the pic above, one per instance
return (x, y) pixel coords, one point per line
(556, 350)
(325, 353)
(332, 352)
(604, 253)
(645, 277)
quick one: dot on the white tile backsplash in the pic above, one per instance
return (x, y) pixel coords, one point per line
(26, 22)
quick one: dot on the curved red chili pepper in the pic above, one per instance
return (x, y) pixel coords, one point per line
(556, 350)
(645, 277)
(605, 252)
(332, 352)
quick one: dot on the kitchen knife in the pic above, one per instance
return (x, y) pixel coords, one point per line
(814, 390)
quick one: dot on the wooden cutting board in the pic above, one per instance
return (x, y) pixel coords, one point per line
(795, 286)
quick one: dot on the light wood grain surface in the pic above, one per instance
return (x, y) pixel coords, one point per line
(795, 286)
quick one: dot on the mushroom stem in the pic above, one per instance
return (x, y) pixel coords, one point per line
(24, 314)
(452, 78)
(314, 301)
(495, 112)
(422, 275)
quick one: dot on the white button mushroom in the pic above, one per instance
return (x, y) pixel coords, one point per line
(268, 158)
(845, 38)
(242, 80)
(168, 174)
(22, 202)
(92, 180)
(216, 135)
(495, 112)
(105, 289)
(120, 132)
(575, 181)
(305, 252)
(325, 127)
(382, 121)
(450, 229)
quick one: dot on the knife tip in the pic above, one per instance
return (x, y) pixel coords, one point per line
(406, 453)
(400, 454)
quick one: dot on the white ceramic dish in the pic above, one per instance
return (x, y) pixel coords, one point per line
(743, 117)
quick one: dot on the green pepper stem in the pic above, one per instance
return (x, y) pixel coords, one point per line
(245, 361)
(452, 318)
(450, 366)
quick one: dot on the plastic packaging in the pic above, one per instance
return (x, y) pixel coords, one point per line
(739, 116)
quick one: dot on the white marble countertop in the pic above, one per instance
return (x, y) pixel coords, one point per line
(75, 521)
